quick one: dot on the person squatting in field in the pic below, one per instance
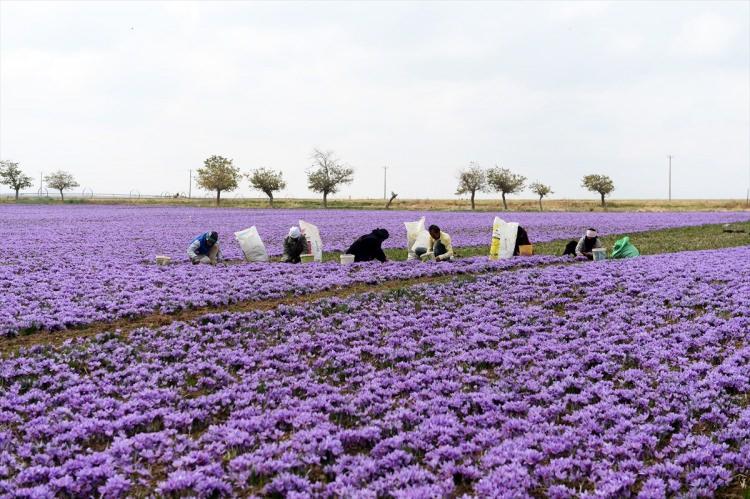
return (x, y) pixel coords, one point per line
(585, 246)
(294, 245)
(439, 245)
(369, 247)
(205, 249)
(522, 239)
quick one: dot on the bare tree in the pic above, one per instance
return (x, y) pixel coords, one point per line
(218, 174)
(599, 183)
(267, 181)
(60, 181)
(504, 181)
(12, 176)
(540, 190)
(327, 174)
(393, 196)
(472, 180)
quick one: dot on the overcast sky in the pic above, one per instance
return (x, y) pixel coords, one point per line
(131, 95)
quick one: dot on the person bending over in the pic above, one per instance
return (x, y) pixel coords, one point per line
(587, 244)
(522, 239)
(440, 245)
(369, 247)
(294, 245)
(205, 249)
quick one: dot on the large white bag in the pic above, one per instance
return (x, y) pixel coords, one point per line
(503, 239)
(314, 242)
(413, 229)
(251, 244)
(422, 241)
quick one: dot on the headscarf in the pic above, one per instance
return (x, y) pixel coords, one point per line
(294, 232)
(381, 234)
(590, 240)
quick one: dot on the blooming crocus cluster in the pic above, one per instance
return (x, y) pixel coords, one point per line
(103, 291)
(613, 379)
(68, 266)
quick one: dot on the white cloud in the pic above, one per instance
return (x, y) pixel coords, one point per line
(708, 34)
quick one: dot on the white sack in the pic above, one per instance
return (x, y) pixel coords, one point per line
(251, 244)
(413, 229)
(314, 242)
(503, 239)
(422, 241)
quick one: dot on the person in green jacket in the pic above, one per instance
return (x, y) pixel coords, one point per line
(295, 244)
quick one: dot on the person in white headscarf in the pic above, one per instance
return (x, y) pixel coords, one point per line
(587, 243)
(295, 245)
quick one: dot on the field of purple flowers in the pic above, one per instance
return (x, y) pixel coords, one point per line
(115, 233)
(40, 301)
(73, 265)
(616, 379)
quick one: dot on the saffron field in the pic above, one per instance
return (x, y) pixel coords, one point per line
(541, 377)
(72, 265)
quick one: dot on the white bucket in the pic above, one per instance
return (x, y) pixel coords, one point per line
(346, 259)
(599, 254)
(163, 259)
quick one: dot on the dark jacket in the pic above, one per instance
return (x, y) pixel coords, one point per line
(293, 248)
(522, 239)
(368, 247)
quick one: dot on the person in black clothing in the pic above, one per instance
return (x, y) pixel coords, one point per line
(522, 239)
(294, 245)
(585, 246)
(368, 247)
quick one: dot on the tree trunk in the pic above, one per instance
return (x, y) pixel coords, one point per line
(388, 204)
(17, 194)
(473, 193)
(270, 199)
(602, 194)
(325, 199)
(505, 205)
(540, 203)
(62, 198)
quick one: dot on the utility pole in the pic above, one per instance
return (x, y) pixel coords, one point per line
(190, 185)
(670, 177)
(385, 173)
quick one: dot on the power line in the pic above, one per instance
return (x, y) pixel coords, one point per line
(385, 174)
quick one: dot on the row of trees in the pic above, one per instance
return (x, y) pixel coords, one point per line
(474, 179)
(326, 175)
(12, 176)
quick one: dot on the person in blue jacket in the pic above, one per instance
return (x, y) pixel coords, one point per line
(205, 249)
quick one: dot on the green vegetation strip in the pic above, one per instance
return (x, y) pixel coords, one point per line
(482, 205)
(702, 237)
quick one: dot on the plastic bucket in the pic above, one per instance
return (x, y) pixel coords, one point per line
(599, 254)
(346, 259)
(526, 250)
(307, 258)
(163, 259)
